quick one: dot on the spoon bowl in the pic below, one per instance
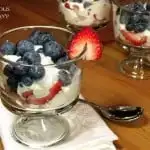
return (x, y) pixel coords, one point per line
(121, 113)
(118, 113)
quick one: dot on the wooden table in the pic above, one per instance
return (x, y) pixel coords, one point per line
(102, 82)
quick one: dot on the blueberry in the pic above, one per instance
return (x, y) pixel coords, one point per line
(8, 48)
(8, 70)
(144, 20)
(73, 68)
(78, 1)
(36, 72)
(130, 27)
(139, 7)
(148, 7)
(86, 4)
(26, 80)
(54, 50)
(12, 82)
(44, 37)
(32, 57)
(34, 36)
(135, 18)
(62, 60)
(124, 16)
(40, 50)
(137, 23)
(24, 46)
(140, 27)
(65, 77)
(20, 68)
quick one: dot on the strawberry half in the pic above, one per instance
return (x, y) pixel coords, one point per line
(94, 45)
(135, 39)
(31, 99)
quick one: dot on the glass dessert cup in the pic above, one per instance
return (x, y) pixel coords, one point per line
(38, 103)
(132, 30)
(115, 8)
(81, 13)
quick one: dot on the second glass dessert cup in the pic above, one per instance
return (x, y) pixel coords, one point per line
(37, 92)
(132, 29)
(81, 13)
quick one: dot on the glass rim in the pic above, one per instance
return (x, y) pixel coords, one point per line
(128, 10)
(46, 27)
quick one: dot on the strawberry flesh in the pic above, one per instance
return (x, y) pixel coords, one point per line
(94, 45)
(31, 99)
(27, 94)
(56, 88)
(67, 5)
(133, 38)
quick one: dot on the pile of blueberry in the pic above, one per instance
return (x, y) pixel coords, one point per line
(135, 16)
(28, 67)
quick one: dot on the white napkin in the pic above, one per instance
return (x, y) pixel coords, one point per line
(87, 131)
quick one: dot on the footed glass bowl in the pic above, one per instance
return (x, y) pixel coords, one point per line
(131, 30)
(37, 81)
(78, 14)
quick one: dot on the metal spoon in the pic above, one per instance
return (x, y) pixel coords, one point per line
(117, 113)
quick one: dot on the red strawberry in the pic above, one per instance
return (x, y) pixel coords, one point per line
(38, 101)
(27, 94)
(52, 92)
(56, 88)
(94, 45)
(67, 5)
(133, 38)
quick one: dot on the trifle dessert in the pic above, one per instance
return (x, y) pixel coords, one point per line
(40, 78)
(32, 75)
(34, 69)
(79, 13)
(132, 24)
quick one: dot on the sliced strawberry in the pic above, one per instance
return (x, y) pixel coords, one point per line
(94, 45)
(67, 5)
(136, 39)
(27, 94)
(38, 101)
(56, 88)
(52, 92)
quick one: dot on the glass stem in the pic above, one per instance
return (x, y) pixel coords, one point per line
(139, 55)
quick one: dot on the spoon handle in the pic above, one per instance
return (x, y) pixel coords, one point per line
(90, 103)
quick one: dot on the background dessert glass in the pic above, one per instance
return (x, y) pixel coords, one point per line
(39, 124)
(79, 13)
(132, 29)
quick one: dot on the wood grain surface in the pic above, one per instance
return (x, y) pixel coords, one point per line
(102, 82)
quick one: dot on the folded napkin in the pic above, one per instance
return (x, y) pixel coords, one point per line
(87, 131)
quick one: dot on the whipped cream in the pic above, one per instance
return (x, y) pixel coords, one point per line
(46, 60)
(68, 93)
(98, 12)
(42, 86)
(12, 58)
